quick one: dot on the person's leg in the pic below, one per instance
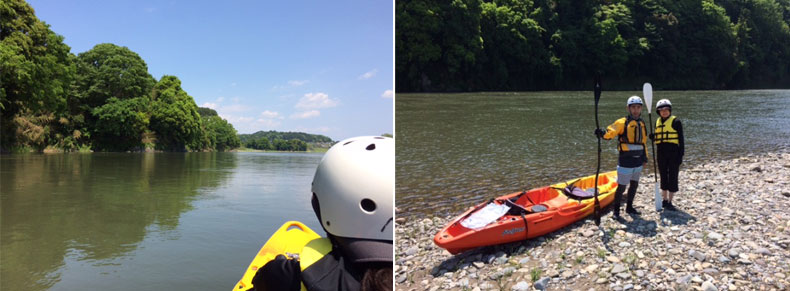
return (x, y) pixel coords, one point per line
(634, 184)
(673, 172)
(618, 198)
(663, 172)
(630, 199)
(623, 178)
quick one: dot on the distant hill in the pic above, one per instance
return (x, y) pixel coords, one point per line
(272, 135)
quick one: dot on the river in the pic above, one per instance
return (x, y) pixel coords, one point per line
(456, 150)
(144, 221)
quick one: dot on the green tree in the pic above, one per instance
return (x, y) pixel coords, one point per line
(264, 144)
(717, 42)
(280, 145)
(418, 23)
(696, 48)
(120, 124)
(175, 118)
(445, 38)
(297, 145)
(107, 71)
(514, 54)
(614, 41)
(562, 44)
(205, 112)
(271, 135)
(221, 134)
(36, 68)
(763, 42)
(259, 144)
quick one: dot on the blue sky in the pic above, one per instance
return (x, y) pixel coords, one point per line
(323, 67)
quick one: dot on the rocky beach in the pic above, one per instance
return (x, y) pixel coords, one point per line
(731, 232)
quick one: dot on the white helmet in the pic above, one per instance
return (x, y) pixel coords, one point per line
(663, 103)
(355, 187)
(634, 100)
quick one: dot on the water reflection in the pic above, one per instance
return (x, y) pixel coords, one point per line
(93, 207)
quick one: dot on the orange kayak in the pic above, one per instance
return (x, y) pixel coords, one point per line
(528, 214)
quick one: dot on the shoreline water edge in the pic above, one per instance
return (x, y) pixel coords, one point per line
(731, 232)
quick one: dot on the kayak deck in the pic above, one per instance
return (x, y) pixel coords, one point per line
(289, 238)
(531, 214)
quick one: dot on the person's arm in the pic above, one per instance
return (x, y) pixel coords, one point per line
(678, 126)
(278, 274)
(614, 129)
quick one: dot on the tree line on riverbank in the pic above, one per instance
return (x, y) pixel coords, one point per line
(103, 99)
(284, 141)
(502, 45)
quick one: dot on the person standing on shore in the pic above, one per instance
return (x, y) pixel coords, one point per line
(632, 144)
(669, 138)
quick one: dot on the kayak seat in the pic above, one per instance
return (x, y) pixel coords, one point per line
(577, 193)
(556, 202)
(538, 208)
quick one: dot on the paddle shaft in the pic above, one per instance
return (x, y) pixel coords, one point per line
(653, 146)
(597, 209)
(647, 90)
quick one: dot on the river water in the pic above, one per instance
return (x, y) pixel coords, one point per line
(133, 221)
(456, 150)
(144, 221)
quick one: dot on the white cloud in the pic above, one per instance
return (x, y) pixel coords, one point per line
(244, 124)
(209, 105)
(271, 114)
(368, 75)
(234, 108)
(220, 99)
(306, 114)
(315, 101)
(387, 94)
(269, 119)
(267, 123)
(291, 83)
(297, 83)
(235, 119)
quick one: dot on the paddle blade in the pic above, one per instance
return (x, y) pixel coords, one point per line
(658, 199)
(647, 90)
(597, 88)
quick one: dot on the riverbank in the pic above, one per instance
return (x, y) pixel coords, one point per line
(731, 232)
(53, 150)
(309, 150)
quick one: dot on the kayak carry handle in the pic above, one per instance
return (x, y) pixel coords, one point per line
(294, 224)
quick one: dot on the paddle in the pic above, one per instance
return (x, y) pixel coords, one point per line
(597, 91)
(647, 90)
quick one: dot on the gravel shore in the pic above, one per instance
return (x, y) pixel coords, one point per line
(731, 232)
